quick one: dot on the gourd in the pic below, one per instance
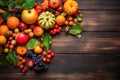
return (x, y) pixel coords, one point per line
(70, 7)
(46, 20)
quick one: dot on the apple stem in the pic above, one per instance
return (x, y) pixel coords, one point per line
(29, 11)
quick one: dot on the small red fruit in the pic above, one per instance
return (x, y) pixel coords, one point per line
(21, 66)
(49, 51)
(21, 38)
(48, 60)
(44, 53)
(60, 9)
(24, 70)
(22, 26)
(44, 59)
(63, 1)
(30, 63)
(52, 54)
(23, 61)
(49, 56)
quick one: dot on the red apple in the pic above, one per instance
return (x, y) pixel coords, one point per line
(21, 38)
(60, 9)
(22, 26)
(30, 63)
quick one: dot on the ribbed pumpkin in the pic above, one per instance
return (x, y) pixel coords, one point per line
(21, 50)
(70, 7)
(46, 20)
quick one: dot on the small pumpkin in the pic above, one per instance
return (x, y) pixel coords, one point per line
(70, 7)
(54, 3)
(21, 50)
(46, 20)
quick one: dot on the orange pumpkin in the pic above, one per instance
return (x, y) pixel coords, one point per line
(70, 7)
(54, 3)
(21, 50)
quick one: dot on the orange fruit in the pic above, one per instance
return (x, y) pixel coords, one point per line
(3, 29)
(2, 40)
(29, 16)
(38, 31)
(60, 19)
(1, 49)
(38, 49)
(13, 22)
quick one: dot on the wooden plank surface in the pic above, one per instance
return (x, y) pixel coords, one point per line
(90, 42)
(72, 67)
(94, 56)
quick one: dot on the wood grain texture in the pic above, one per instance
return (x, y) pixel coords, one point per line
(94, 56)
(90, 42)
(72, 67)
(101, 20)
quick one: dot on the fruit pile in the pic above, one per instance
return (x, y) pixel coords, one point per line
(27, 28)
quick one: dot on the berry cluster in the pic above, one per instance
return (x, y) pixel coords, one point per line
(56, 29)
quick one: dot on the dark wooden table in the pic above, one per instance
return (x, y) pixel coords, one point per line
(94, 56)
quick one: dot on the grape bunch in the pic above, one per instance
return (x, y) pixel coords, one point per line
(39, 66)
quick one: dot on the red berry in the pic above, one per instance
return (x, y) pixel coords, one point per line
(23, 61)
(37, 7)
(49, 56)
(38, 10)
(21, 66)
(24, 70)
(44, 53)
(36, 4)
(58, 30)
(49, 51)
(55, 30)
(52, 32)
(48, 60)
(11, 47)
(52, 54)
(56, 26)
(44, 59)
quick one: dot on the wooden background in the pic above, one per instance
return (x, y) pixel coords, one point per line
(94, 56)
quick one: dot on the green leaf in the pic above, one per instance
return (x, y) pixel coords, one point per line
(6, 15)
(28, 4)
(76, 29)
(79, 18)
(12, 58)
(3, 60)
(46, 40)
(11, 4)
(32, 43)
(20, 2)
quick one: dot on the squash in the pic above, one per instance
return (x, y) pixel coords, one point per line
(54, 3)
(70, 7)
(46, 20)
(21, 50)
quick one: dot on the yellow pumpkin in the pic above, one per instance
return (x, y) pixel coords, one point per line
(21, 50)
(70, 7)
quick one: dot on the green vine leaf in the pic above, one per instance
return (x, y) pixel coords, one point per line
(76, 29)
(11, 4)
(32, 44)
(46, 40)
(12, 58)
(28, 4)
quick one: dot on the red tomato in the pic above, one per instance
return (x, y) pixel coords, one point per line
(54, 3)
